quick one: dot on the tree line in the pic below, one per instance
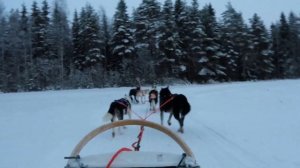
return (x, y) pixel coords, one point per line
(40, 49)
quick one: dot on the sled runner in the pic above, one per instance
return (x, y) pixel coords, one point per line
(126, 158)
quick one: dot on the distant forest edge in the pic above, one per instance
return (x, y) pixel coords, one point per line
(40, 49)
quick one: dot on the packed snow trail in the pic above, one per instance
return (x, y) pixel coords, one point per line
(233, 125)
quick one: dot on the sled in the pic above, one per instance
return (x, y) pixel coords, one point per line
(132, 159)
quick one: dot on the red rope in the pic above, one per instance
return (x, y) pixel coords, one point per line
(121, 103)
(166, 102)
(137, 115)
(116, 155)
(154, 111)
(136, 145)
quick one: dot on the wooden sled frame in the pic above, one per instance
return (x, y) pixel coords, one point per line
(153, 125)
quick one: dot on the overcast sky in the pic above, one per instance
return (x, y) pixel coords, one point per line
(268, 10)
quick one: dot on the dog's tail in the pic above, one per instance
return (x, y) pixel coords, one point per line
(107, 117)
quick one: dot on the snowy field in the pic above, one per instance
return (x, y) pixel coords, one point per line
(233, 125)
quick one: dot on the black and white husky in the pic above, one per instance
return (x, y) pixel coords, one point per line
(117, 110)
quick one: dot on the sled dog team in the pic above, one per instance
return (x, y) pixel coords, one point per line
(176, 105)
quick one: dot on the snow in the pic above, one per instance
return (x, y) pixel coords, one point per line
(232, 125)
(182, 68)
(205, 71)
(203, 60)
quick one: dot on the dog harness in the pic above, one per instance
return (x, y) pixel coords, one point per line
(123, 102)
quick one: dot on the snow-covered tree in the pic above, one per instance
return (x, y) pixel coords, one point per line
(40, 55)
(274, 48)
(284, 48)
(167, 42)
(294, 23)
(234, 41)
(76, 39)
(106, 35)
(196, 36)
(122, 45)
(59, 39)
(146, 23)
(12, 52)
(211, 69)
(259, 59)
(87, 47)
(89, 52)
(2, 46)
(26, 49)
(181, 20)
(36, 31)
(183, 40)
(146, 20)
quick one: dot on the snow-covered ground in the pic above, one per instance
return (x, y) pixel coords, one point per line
(233, 125)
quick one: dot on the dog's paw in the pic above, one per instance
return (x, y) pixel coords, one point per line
(180, 130)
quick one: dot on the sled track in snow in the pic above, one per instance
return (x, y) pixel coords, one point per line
(233, 149)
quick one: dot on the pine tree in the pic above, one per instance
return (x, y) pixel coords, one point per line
(234, 42)
(13, 52)
(183, 40)
(122, 45)
(274, 48)
(284, 48)
(45, 21)
(211, 69)
(79, 78)
(259, 63)
(76, 41)
(167, 42)
(181, 20)
(37, 32)
(294, 23)
(2, 47)
(89, 37)
(26, 47)
(87, 45)
(196, 52)
(146, 28)
(59, 38)
(40, 46)
(106, 35)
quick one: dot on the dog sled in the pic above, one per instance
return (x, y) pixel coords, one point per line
(126, 158)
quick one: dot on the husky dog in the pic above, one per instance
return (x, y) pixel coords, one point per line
(117, 110)
(153, 98)
(176, 104)
(133, 93)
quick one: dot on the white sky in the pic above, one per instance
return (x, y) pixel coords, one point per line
(268, 10)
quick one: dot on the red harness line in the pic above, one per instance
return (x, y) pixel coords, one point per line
(136, 145)
(142, 128)
(167, 101)
(170, 99)
(122, 104)
(116, 155)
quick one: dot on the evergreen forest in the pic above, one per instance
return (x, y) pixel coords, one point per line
(43, 48)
